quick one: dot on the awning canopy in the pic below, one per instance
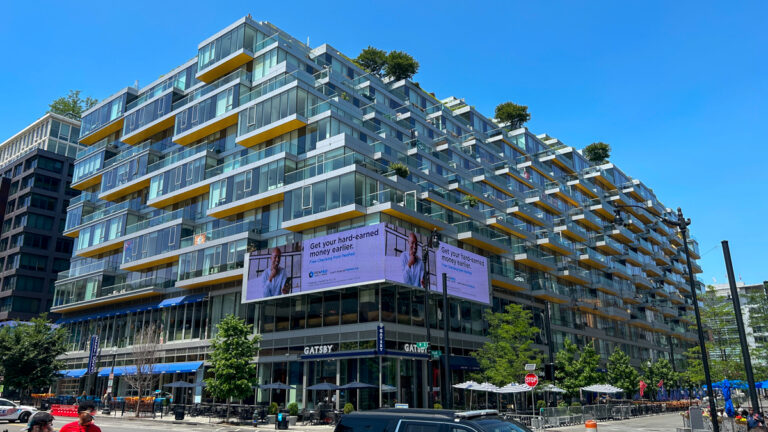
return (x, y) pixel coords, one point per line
(160, 368)
(73, 373)
(175, 301)
(464, 363)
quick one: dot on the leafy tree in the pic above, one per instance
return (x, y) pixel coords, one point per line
(503, 358)
(513, 114)
(597, 152)
(232, 352)
(72, 104)
(400, 65)
(655, 372)
(574, 372)
(28, 354)
(621, 374)
(372, 59)
(693, 375)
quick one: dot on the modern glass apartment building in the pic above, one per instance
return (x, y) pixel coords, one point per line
(36, 165)
(262, 142)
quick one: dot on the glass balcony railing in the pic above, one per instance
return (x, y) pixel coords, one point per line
(268, 86)
(594, 255)
(199, 93)
(475, 227)
(134, 204)
(90, 268)
(219, 233)
(185, 213)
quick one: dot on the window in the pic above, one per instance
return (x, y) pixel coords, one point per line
(420, 427)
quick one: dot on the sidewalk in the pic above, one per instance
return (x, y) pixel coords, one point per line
(204, 421)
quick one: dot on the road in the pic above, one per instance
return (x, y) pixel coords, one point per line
(656, 423)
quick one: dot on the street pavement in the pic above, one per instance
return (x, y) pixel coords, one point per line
(654, 423)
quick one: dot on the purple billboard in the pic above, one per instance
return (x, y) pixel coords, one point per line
(375, 253)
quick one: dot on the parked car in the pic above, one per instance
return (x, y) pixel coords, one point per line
(15, 413)
(424, 420)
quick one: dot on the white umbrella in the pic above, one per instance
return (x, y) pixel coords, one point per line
(513, 388)
(602, 388)
(552, 389)
(468, 385)
(487, 387)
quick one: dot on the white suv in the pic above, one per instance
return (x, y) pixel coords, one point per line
(15, 413)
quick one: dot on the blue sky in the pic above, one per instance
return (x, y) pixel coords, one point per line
(677, 88)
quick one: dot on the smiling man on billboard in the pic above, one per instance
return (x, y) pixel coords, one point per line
(274, 280)
(413, 265)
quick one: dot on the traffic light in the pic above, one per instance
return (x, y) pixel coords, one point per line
(549, 371)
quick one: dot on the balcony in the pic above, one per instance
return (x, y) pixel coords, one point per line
(602, 208)
(641, 281)
(550, 291)
(528, 213)
(149, 119)
(584, 185)
(641, 323)
(534, 258)
(653, 237)
(231, 50)
(621, 234)
(571, 230)
(661, 260)
(607, 245)
(587, 219)
(103, 121)
(561, 191)
(510, 226)
(480, 236)
(603, 284)
(507, 277)
(526, 162)
(539, 199)
(632, 257)
(593, 258)
(651, 269)
(213, 113)
(644, 247)
(573, 274)
(343, 213)
(67, 302)
(555, 242)
(504, 169)
(553, 156)
(696, 267)
(227, 272)
(599, 175)
(669, 311)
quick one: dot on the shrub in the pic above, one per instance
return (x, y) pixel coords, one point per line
(273, 408)
(472, 201)
(562, 404)
(293, 409)
(400, 169)
(437, 406)
(541, 404)
(576, 403)
(348, 408)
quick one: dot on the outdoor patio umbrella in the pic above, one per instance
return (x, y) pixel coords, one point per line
(486, 387)
(323, 386)
(277, 386)
(356, 385)
(385, 388)
(552, 389)
(468, 385)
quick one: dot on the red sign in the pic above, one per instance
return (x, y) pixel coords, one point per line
(531, 380)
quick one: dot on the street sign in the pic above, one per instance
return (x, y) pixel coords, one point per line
(530, 366)
(436, 354)
(422, 345)
(531, 380)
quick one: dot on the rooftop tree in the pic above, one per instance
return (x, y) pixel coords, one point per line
(400, 65)
(597, 152)
(513, 114)
(372, 59)
(72, 104)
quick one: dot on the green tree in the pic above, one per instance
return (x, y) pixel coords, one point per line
(232, 352)
(655, 372)
(589, 362)
(693, 375)
(510, 335)
(513, 114)
(597, 152)
(400, 65)
(28, 354)
(621, 374)
(577, 369)
(372, 59)
(71, 104)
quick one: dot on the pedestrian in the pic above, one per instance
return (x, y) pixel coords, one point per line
(85, 412)
(754, 421)
(40, 422)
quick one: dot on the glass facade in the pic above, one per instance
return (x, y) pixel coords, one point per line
(178, 221)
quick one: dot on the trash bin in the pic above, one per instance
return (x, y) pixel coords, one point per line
(281, 420)
(178, 412)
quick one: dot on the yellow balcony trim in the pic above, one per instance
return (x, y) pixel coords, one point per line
(586, 259)
(179, 195)
(456, 209)
(103, 132)
(547, 243)
(516, 176)
(566, 275)
(142, 134)
(509, 284)
(517, 211)
(86, 183)
(498, 188)
(124, 189)
(473, 194)
(100, 248)
(534, 263)
(214, 279)
(641, 324)
(573, 235)
(606, 290)
(586, 222)
(146, 263)
(474, 240)
(582, 187)
(324, 218)
(507, 228)
(289, 124)
(214, 125)
(72, 234)
(221, 68)
(249, 204)
(103, 302)
(550, 297)
(423, 221)
(620, 237)
(540, 202)
(601, 211)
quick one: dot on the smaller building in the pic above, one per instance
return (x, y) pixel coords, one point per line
(755, 334)
(36, 167)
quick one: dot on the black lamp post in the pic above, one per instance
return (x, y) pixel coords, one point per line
(682, 224)
(434, 239)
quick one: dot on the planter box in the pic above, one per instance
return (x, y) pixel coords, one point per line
(292, 420)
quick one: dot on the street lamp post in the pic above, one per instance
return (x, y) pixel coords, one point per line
(682, 224)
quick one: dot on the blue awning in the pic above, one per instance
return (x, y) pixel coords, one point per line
(157, 305)
(464, 363)
(73, 373)
(160, 368)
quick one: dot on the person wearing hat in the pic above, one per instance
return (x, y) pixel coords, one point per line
(40, 422)
(85, 412)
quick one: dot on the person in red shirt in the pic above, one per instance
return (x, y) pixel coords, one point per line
(85, 412)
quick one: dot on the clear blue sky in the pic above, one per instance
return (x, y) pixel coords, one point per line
(677, 88)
